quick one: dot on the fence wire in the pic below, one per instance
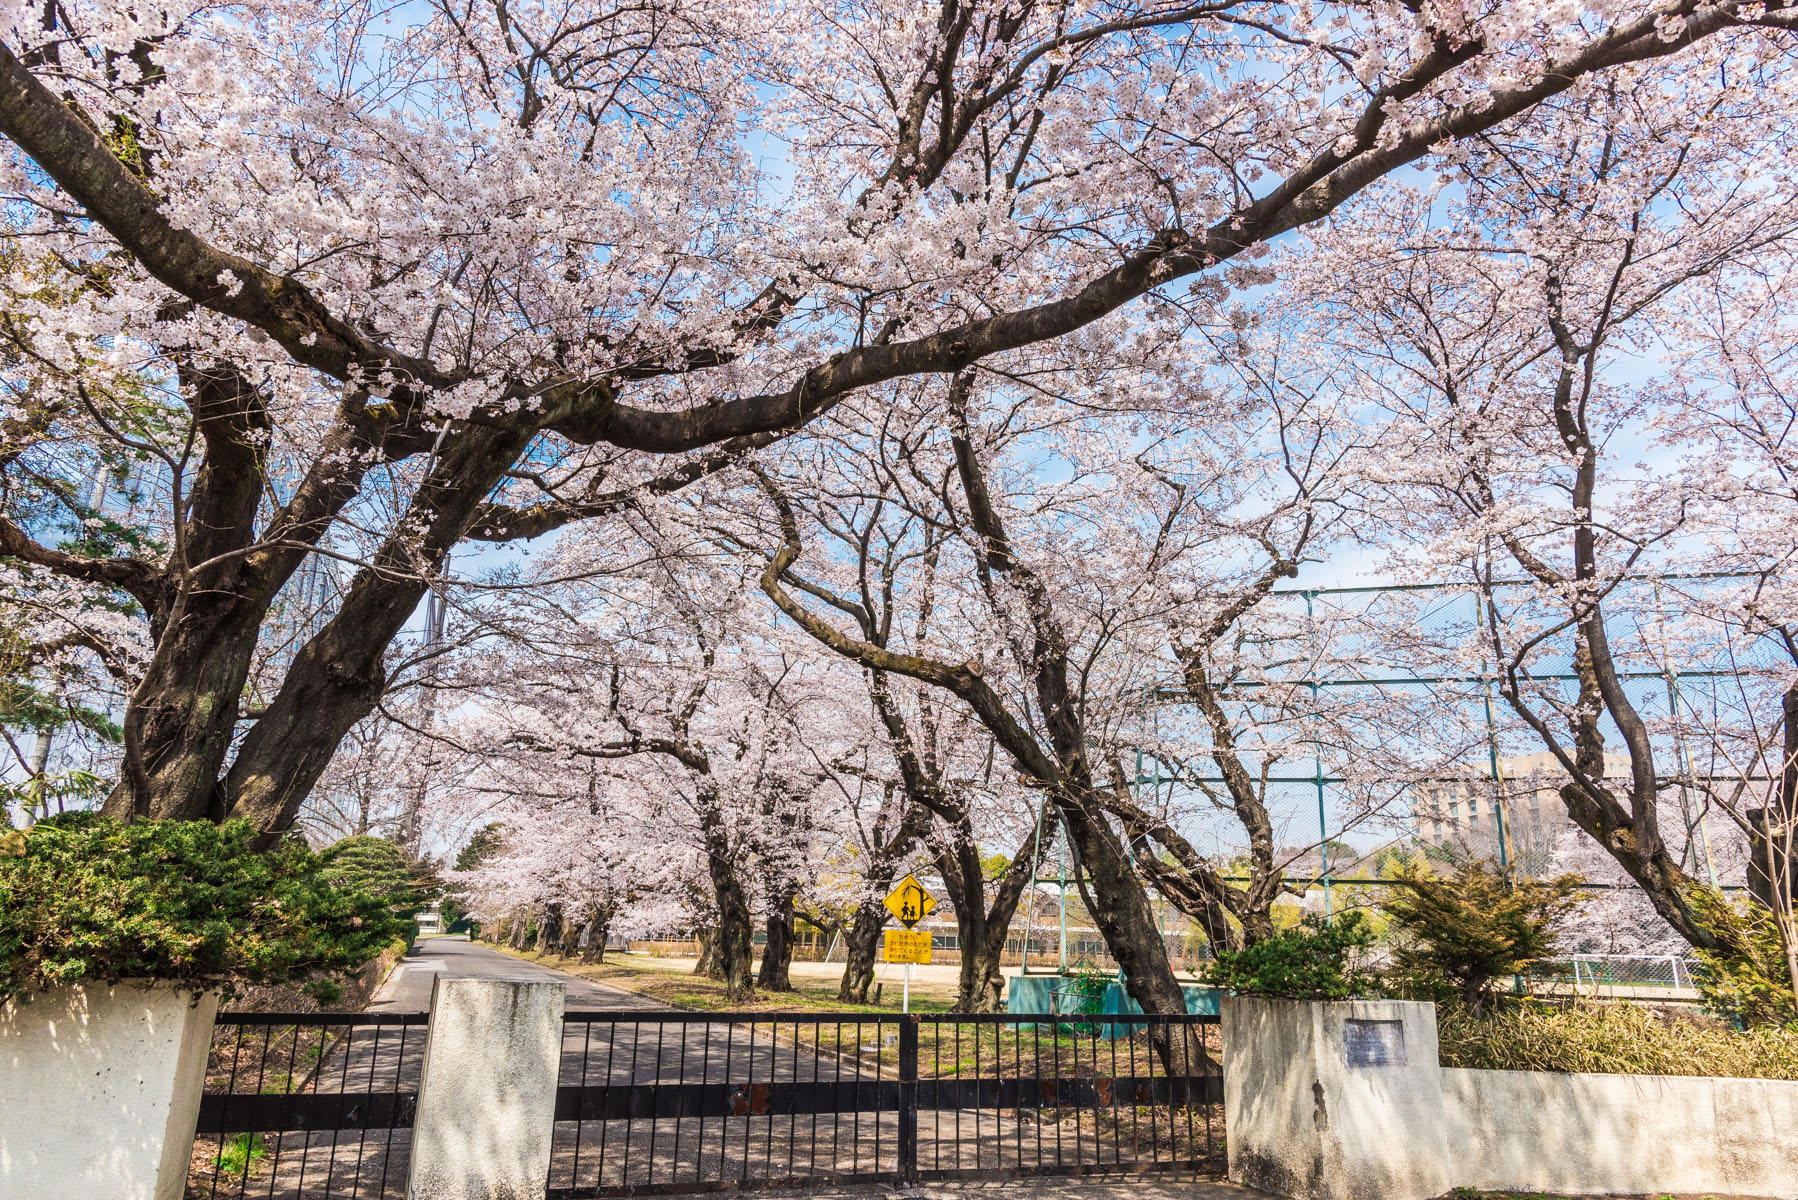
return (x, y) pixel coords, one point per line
(1374, 723)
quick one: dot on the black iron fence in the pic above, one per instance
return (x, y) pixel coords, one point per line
(681, 1102)
(304, 1105)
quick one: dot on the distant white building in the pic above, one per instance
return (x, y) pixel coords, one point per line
(1465, 815)
(430, 920)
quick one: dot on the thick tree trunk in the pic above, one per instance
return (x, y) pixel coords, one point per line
(1685, 903)
(521, 931)
(1127, 923)
(861, 943)
(736, 943)
(599, 928)
(980, 986)
(981, 923)
(549, 934)
(339, 675)
(182, 723)
(183, 716)
(707, 966)
(736, 932)
(777, 955)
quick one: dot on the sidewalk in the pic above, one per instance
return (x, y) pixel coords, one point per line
(1170, 1185)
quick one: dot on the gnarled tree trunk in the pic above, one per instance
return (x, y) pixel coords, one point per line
(861, 943)
(777, 955)
(549, 933)
(707, 965)
(599, 929)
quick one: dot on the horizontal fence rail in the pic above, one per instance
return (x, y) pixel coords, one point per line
(654, 1103)
(303, 1105)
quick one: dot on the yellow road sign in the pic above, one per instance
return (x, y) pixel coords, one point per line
(908, 946)
(909, 902)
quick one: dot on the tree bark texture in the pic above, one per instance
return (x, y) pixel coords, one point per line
(707, 965)
(861, 944)
(599, 929)
(777, 953)
(550, 932)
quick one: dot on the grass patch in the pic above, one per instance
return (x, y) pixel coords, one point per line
(676, 985)
(945, 1049)
(240, 1154)
(1620, 1039)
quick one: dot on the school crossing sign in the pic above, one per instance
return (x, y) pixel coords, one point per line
(909, 902)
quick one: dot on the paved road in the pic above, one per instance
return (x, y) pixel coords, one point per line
(408, 989)
(664, 1149)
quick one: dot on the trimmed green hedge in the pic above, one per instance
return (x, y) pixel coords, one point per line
(88, 899)
(380, 868)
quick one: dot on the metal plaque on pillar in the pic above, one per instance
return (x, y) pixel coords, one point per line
(1373, 1043)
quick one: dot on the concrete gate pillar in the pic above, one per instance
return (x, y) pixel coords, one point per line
(1334, 1101)
(100, 1090)
(487, 1098)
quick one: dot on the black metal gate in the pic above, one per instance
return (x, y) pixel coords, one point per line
(308, 1105)
(320, 1106)
(655, 1103)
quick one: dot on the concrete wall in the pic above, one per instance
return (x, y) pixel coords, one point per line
(1334, 1101)
(1316, 1108)
(100, 1091)
(1544, 1131)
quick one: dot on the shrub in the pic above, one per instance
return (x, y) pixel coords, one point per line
(1620, 1039)
(380, 868)
(1314, 960)
(1753, 988)
(85, 898)
(1457, 935)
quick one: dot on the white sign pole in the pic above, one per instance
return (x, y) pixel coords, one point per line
(905, 1004)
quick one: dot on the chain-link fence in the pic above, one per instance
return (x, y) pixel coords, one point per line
(1377, 728)
(1589, 973)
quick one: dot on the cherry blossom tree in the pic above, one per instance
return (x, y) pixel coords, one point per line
(1735, 404)
(939, 769)
(400, 277)
(1062, 613)
(1508, 321)
(695, 730)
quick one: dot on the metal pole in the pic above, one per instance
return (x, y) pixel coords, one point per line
(908, 1101)
(1323, 820)
(1061, 882)
(1036, 877)
(1498, 773)
(1681, 747)
(905, 998)
(1323, 825)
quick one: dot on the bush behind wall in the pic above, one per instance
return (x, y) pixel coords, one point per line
(88, 899)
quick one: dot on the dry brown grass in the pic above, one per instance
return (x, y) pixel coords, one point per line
(1616, 1038)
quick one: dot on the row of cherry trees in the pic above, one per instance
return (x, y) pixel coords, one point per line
(883, 418)
(1565, 378)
